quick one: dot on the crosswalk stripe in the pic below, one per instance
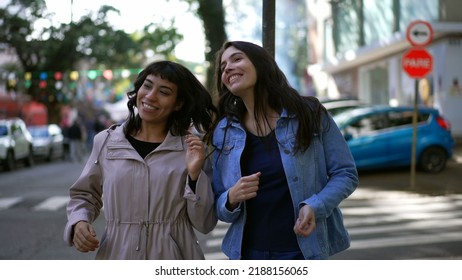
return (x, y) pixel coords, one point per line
(392, 209)
(373, 220)
(405, 240)
(216, 256)
(412, 225)
(360, 193)
(8, 202)
(219, 231)
(213, 242)
(52, 204)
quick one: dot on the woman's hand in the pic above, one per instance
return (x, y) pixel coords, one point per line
(195, 155)
(245, 188)
(85, 237)
(306, 222)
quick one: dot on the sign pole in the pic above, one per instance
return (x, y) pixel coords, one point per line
(417, 63)
(414, 135)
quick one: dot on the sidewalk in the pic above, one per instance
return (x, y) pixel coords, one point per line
(434, 184)
(457, 152)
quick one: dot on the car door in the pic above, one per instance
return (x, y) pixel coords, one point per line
(366, 140)
(400, 134)
(21, 148)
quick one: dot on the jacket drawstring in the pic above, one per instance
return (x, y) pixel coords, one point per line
(141, 224)
(145, 224)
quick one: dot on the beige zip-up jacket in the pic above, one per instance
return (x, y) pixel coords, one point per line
(149, 208)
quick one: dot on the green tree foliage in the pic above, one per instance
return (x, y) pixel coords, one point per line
(91, 38)
(40, 46)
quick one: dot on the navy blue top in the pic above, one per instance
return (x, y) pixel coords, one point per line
(144, 148)
(270, 216)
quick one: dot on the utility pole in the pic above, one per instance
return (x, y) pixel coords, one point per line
(268, 24)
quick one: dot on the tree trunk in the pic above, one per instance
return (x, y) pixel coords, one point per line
(213, 17)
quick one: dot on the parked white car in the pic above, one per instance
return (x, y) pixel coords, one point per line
(48, 141)
(337, 106)
(15, 143)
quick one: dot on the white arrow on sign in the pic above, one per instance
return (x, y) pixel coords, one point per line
(419, 33)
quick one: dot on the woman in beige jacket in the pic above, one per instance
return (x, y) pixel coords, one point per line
(150, 174)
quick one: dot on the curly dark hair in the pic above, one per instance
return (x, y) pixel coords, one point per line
(273, 90)
(197, 109)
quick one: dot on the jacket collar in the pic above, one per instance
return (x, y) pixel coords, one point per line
(235, 122)
(170, 143)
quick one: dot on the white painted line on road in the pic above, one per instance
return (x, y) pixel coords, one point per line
(458, 159)
(361, 193)
(214, 242)
(53, 203)
(425, 225)
(219, 231)
(7, 202)
(406, 240)
(216, 256)
(372, 220)
(402, 209)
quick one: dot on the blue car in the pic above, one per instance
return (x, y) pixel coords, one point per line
(381, 137)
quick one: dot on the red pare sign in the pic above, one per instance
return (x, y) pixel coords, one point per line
(417, 63)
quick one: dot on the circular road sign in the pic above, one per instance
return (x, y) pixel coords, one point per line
(417, 62)
(419, 33)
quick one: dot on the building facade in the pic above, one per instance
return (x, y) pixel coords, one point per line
(357, 48)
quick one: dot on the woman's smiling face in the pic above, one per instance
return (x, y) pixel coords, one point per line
(238, 73)
(157, 99)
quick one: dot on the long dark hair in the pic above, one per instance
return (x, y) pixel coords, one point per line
(271, 90)
(197, 109)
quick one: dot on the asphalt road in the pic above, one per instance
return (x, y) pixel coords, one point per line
(32, 214)
(446, 182)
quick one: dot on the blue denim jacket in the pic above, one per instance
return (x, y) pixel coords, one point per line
(322, 176)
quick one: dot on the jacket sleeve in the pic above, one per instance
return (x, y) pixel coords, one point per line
(86, 193)
(201, 204)
(221, 194)
(340, 169)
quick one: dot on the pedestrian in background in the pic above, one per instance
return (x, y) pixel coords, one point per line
(150, 173)
(281, 165)
(76, 135)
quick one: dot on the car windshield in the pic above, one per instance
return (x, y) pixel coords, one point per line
(38, 132)
(343, 117)
(3, 130)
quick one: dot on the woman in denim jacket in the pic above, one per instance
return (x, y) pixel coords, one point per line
(281, 165)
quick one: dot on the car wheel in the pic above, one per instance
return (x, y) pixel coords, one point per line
(433, 160)
(9, 163)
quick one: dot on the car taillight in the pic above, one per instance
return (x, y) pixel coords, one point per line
(443, 123)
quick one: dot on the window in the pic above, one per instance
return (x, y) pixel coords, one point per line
(405, 118)
(366, 125)
(3, 130)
